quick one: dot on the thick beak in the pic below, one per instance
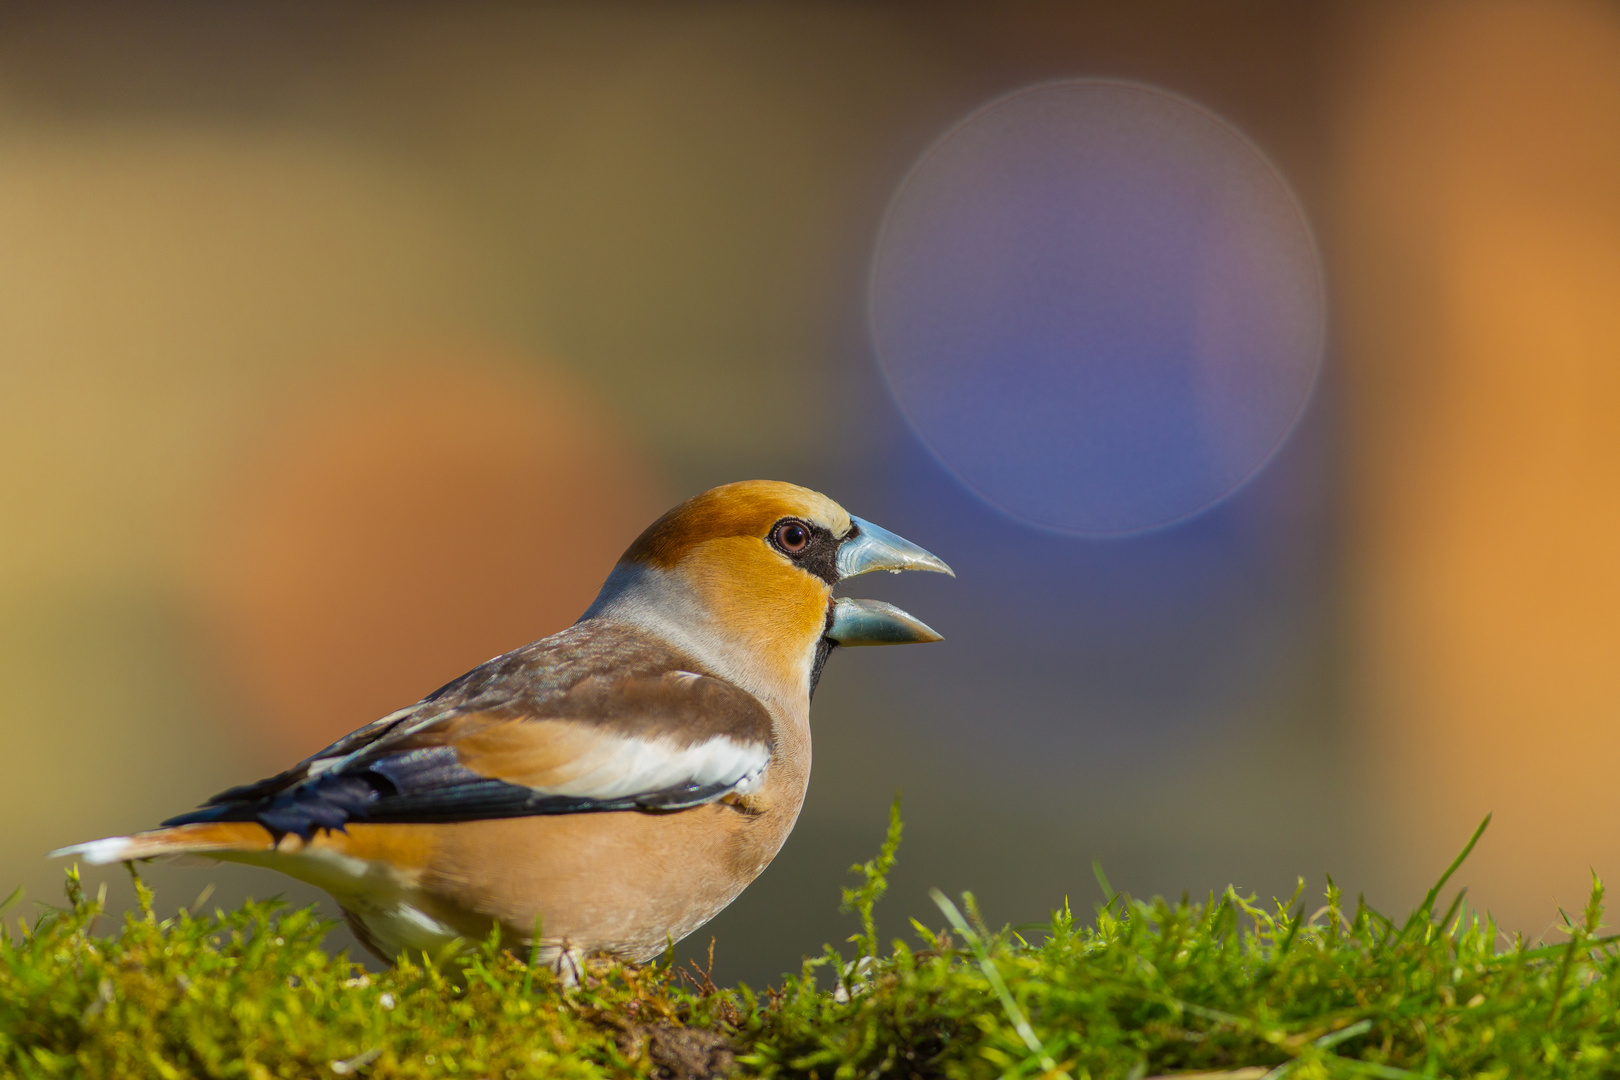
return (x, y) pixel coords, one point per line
(873, 548)
(872, 622)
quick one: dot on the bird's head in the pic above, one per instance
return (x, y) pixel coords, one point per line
(748, 569)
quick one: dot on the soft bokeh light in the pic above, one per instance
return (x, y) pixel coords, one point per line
(1099, 304)
(388, 533)
(1482, 216)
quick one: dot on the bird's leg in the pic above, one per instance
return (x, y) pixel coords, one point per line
(569, 965)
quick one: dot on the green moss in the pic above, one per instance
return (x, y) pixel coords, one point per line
(1144, 988)
(251, 993)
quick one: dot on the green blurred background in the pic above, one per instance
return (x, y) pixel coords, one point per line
(342, 347)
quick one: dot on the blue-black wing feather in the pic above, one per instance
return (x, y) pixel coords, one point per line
(393, 770)
(421, 785)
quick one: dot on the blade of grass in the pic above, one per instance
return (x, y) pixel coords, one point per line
(999, 987)
(1425, 910)
(1109, 895)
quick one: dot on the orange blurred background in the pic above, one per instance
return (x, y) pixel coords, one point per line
(342, 348)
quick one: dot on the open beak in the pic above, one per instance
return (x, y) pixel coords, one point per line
(872, 622)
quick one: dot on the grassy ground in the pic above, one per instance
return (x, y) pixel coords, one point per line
(1141, 989)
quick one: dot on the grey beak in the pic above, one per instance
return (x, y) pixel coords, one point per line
(874, 548)
(872, 622)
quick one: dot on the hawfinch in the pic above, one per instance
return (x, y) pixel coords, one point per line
(615, 784)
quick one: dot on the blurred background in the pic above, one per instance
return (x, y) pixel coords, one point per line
(1265, 398)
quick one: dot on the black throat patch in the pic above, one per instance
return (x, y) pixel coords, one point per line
(824, 649)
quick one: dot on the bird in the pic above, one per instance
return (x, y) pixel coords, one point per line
(604, 791)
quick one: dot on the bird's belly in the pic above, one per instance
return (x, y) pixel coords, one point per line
(625, 884)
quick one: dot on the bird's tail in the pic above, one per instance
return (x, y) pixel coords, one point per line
(201, 839)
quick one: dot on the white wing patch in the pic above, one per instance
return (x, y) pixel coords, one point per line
(618, 767)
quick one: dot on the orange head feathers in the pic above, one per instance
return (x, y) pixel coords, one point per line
(748, 508)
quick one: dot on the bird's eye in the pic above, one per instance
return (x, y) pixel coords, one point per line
(792, 537)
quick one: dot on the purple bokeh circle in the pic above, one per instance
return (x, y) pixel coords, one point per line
(1098, 305)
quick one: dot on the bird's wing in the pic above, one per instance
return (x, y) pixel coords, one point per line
(496, 747)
